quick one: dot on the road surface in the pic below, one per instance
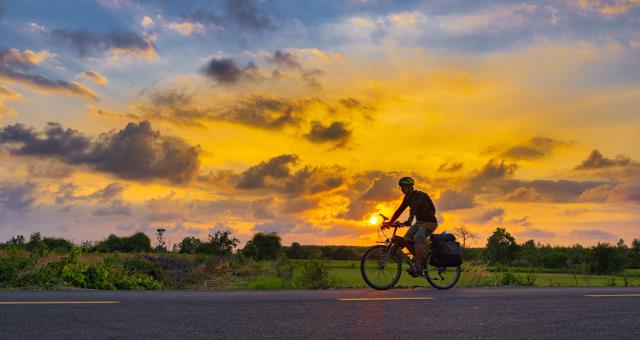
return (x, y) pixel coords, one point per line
(514, 313)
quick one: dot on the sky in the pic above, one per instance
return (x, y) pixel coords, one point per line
(299, 117)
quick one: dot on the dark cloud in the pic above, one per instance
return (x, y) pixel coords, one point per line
(266, 113)
(246, 15)
(51, 169)
(453, 200)
(87, 43)
(336, 133)
(375, 187)
(15, 64)
(285, 227)
(67, 193)
(615, 193)
(382, 188)
(596, 160)
(548, 190)
(536, 147)
(492, 214)
(262, 208)
(117, 208)
(277, 174)
(258, 176)
(175, 106)
(453, 167)
(312, 78)
(225, 71)
(135, 152)
(283, 59)
(17, 197)
(493, 171)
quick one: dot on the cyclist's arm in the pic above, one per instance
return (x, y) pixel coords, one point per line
(399, 211)
(409, 221)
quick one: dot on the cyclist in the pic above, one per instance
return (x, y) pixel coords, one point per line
(422, 208)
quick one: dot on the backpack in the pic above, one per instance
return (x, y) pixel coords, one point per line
(446, 251)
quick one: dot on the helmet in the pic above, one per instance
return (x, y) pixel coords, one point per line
(406, 181)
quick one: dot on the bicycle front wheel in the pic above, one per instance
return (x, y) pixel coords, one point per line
(379, 269)
(441, 277)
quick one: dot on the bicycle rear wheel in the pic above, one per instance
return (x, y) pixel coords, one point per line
(441, 277)
(379, 269)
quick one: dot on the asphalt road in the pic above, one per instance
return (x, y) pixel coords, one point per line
(523, 313)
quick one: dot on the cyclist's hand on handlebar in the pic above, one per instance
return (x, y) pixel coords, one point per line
(386, 225)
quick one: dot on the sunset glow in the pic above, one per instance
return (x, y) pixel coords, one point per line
(299, 117)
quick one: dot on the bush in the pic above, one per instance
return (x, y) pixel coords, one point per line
(315, 275)
(510, 279)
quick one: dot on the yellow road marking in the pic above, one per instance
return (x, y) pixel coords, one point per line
(57, 302)
(611, 295)
(386, 299)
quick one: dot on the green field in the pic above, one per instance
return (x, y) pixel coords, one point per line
(346, 274)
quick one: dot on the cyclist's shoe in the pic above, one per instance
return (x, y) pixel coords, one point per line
(415, 272)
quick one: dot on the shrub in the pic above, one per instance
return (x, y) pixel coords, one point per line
(510, 279)
(314, 275)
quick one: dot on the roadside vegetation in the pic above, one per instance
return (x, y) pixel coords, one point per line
(132, 263)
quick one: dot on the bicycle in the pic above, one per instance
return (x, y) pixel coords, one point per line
(381, 265)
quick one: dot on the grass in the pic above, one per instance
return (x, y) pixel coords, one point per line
(346, 274)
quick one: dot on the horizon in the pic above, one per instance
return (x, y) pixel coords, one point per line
(119, 116)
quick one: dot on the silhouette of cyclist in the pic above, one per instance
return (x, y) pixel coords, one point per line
(421, 207)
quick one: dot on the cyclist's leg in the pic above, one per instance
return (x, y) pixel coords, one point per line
(409, 237)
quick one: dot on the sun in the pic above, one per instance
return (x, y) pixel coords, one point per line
(373, 219)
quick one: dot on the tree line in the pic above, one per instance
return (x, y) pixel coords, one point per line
(501, 249)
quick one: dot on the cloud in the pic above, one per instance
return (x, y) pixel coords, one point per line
(262, 208)
(613, 193)
(549, 190)
(535, 148)
(146, 21)
(17, 197)
(492, 214)
(117, 208)
(607, 8)
(336, 133)
(591, 234)
(135, 152)
(264, 112)
(172, 105)
(115, 43)
(225, 71)
(453, 167)
(246, 15)
(187, 28)
(95, 77)
(283, 59)
(258, 176)
(13, 67)
(534, 233)
(493, 172)
(454, 200)
(49, 169)
(7, 94)
(67, 193)
(596, 160)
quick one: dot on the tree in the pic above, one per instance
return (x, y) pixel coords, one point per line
(296, 251)
(221, 243)
(621, 244)
(162, 246)
(501, 247)
(635, 245)
(35, 239)
(465, 234)
(528, 252)
(267, 246)
(189, 245)
(605, 259)
(19, 239)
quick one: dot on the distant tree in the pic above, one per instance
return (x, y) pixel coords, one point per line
(221, 243)
(465, 234)
(605, 259)
(138, 242)
(635, 245)
(296, 251)
(529, 252)
(189, 245)
(267, 246)
(19, 239)
(161, 245)
(250, 250)
(34, 240)
(501, 247)
(621, 244)
(57, 244)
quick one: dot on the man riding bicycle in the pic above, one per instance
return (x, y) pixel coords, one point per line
(422, 208)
